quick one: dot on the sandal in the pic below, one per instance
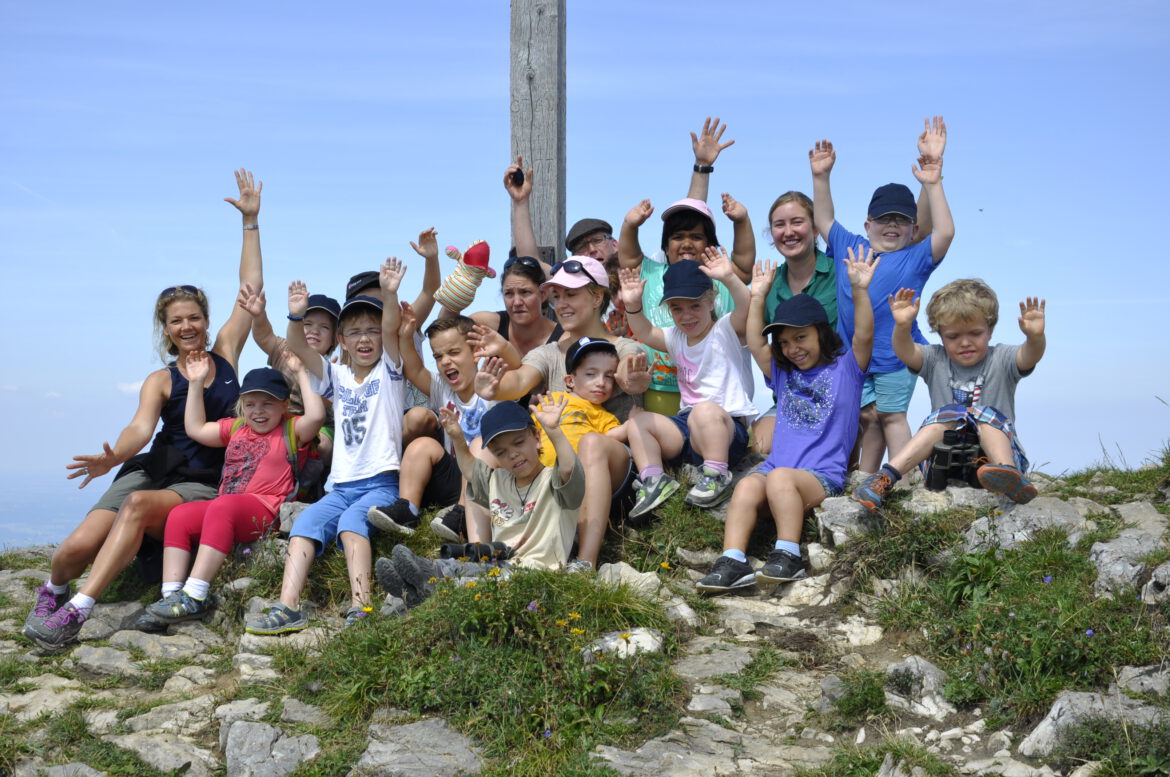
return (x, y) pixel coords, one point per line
(278, 620)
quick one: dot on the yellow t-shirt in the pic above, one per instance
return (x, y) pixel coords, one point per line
(579, 419)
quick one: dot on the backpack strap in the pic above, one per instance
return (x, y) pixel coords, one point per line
(237, 425)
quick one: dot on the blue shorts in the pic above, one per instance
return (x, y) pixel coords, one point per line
(891, 390)
(831, 488)
(344, 509)
(739, 439)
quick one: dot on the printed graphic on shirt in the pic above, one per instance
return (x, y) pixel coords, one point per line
(355, 405)
(807, 404)
(239, 468)
(503, 514)
(967, 392)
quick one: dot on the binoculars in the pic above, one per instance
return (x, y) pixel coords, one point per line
(957, 457)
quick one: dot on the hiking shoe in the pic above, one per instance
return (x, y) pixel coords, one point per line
(395, 519)
(418, 574)
(651, 493)
(578, 566)
(872, 490)
(46, 604)
(1007, 480)
(58, 630)
(355, 615)
(149, 624)
(712, 489)
(178, 607)
(278, 620)
(727, 574)
(781, 567)
(388, 577)
(450, 524)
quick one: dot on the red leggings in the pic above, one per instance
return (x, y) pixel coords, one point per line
(219, 523)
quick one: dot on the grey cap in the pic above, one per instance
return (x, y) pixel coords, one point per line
(585, 227)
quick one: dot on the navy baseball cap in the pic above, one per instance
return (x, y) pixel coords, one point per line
(328, 304)
(685, 280)
(504, 417)
(893, 198)
(362, 299)
(579, 349)
(361, 281)
(266, 380)
(798, 310)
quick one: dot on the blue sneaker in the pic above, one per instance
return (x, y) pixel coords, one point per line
(178, 607)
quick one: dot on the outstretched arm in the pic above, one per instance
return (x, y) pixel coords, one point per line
(309, 423)
(450, 424)
(743, 245)
(629, 251)
(930, 176)
(821, 159)
(931, 144)
(631, 291)
(428, 248)
(707, 148)
(495, 381)
(904, 308)
(861, 269)
(548, 412)
(763, 275)
(412, 366)
(256, 306)
(522, 232)
(298, 303)
(234, 334)
(718, 267)
(389, 278)
(1032, 325)
(487, 342)
(194, 415)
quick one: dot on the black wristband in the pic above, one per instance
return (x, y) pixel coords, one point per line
(633, 312)
(704, 168)
(291, 317)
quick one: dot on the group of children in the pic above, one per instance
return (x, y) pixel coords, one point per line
(515, 469)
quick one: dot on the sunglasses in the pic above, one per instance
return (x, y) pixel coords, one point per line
(527, 261)
(575, 267)
(172, 290)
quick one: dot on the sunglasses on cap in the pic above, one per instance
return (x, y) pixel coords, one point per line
(575, 267)
(527, 261)
(172, 290)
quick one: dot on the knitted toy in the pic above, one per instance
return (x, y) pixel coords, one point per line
(458, 289)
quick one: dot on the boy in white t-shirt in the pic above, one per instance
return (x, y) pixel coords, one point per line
(368, 396)
(533, 507)
(714, 385)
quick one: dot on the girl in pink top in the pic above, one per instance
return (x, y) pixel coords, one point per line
(257, 478)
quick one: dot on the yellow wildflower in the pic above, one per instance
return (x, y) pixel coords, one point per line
(574, 615)
(577, 631)
(470, 584)
(562, 622)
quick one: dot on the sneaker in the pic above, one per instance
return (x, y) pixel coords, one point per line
(388, 577)
(872, 490)
(578, 566)
(712, 489)
(278, 620)
(59, 629)
(355, 615)
(395, 519)
(418, 575)
(47, 603)
(781, 567)
(178, 607)
(1007, 480)
(149, 624)
(450, 524)
(653, 492)
(727, 574)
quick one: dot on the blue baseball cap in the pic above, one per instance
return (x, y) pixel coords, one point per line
(504, 417)
(266, 380)
(579, 349)
(328, 304)
(893, 198)
(362, 299)
(797, 310)
(685, 280)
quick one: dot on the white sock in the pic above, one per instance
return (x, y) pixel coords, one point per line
(736, 554)
(196, 588)
(170, 588)
(57, 589)
(83, 603)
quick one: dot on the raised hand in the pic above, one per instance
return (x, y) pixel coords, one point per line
(450, 423)
(1032, 317)
(632, 287)
(524, 190)
(485, 343)
(633, 370)
(487, 380)
(733, 208)
(822, 157)
(292, 361)
(298, 298)
(249, 201)
(407, 321)
(90, 467)
(763, 276)
(715, 264)
(927, 171)
(548, 410)
(706, 144)
(252, 302)
(933, 140)
(198, 368)
(860, 267)
(639, 213)
(904, 306)
(428, 244)
(390, 275)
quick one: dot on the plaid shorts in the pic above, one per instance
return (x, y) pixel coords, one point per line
(970, 417)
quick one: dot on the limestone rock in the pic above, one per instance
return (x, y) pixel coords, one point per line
(1118, 561)
(254, 668)
(1158, 588)
(840, 519)
(424, 749)
(1072, 707)
(296, 711)
(188, 679)
(175, 646)
(891, 768)
(697, 559)
(680, 612)
(186, 718)
(644, 583)
(624, 644)
(1021, 522)
(924, 696)
(240, 709)
(105, 661)
(1145, 679)
(260, 750)
(72, 770)
(820, 558)
(810, 592)
(714, 699)
(167, 752)
(51, 694)
(105, 619)
(710, 657)
(964, 497)
(923, 501)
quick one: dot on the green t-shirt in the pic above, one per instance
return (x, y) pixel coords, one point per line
(822, 285)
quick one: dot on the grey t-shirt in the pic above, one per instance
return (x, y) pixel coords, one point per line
(549, 359)
(990, 383)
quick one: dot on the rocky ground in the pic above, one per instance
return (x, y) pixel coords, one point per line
(173, 701)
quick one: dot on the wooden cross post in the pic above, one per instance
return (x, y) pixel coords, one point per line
(538, 112)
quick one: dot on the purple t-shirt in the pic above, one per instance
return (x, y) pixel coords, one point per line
(816, 417)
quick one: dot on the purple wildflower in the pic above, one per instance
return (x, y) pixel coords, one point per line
(1048, 578)
(547, 733)
(533, 606)
(1089, 632)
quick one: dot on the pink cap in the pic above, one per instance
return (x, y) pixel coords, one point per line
(577, 271)
(689, 203)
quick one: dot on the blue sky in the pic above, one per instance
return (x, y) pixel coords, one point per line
(368, 122)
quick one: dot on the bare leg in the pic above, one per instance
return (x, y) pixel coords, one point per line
(605, 462)
(920, 446)
(81, 547)
(300, 555)
(359, 559)
(176, 561)
(143, 512)
(896, 430)
(652, 438)
(996, 445)
(418, 462)
(711, 431)
(418, 422)
(207, 563)
(791, 492)
(762, 431)
(748, 501)
(873, 441)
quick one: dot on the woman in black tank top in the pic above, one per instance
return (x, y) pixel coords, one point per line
(175, 469)
(522, 321)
